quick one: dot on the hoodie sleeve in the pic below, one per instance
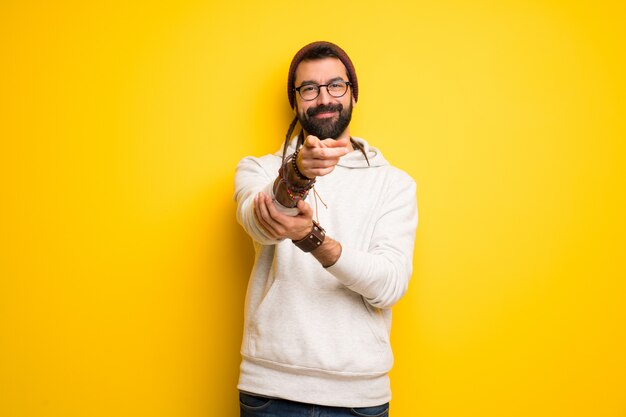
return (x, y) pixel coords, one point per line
(381, 274)
(253, 175)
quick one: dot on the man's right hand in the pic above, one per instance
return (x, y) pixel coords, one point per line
(319, 157)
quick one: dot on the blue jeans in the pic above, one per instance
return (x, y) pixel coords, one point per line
(257, 406)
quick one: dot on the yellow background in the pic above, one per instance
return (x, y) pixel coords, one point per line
(123, 270)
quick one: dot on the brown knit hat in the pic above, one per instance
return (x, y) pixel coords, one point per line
(313, 51)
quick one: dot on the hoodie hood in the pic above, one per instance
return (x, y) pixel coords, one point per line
(354, 159)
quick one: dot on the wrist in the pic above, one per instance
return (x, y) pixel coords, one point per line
(289, 188)
(311, 240)
(293, 175)
(297, 167)
(328, 253)
(282, 195)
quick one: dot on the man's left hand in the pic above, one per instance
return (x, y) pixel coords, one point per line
(281, 226)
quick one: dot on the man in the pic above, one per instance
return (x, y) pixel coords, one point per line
(318, 307)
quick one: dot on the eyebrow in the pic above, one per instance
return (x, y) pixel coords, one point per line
(309, 82)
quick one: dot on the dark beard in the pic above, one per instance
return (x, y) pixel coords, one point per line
(326, 128)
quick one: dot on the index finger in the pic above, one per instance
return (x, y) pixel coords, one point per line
(329, 153)
(335, 143)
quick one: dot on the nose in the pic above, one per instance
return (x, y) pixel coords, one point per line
(324, 98)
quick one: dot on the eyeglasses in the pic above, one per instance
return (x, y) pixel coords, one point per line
(310, 92)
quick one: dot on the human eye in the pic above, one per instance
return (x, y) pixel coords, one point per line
(337, 87)
(309, 88)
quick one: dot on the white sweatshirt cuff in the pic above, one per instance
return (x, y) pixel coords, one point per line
(351, 265)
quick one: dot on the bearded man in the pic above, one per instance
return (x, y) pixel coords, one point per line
(318, 305)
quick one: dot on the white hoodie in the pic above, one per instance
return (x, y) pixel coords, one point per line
(321, 335)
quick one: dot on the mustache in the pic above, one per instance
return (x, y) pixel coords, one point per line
(312, 111)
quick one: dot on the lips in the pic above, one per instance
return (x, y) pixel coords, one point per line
(325, 115)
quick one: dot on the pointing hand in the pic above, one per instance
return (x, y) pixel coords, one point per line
(319, 157)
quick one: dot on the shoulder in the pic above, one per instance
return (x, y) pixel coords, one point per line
(399, 174)
(399, 184)
(396, 178)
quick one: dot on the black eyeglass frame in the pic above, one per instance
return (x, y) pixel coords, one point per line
(319, 89)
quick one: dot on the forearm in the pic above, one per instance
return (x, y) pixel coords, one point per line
(289, 182)
(381, 278)
(328, 253)
(283, 195)
(256, 176)
(247, 218)
(381, 271)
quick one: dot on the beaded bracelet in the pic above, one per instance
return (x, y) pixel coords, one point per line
(294, 162)
(294, 191)
(309, 181)
(294, 195)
